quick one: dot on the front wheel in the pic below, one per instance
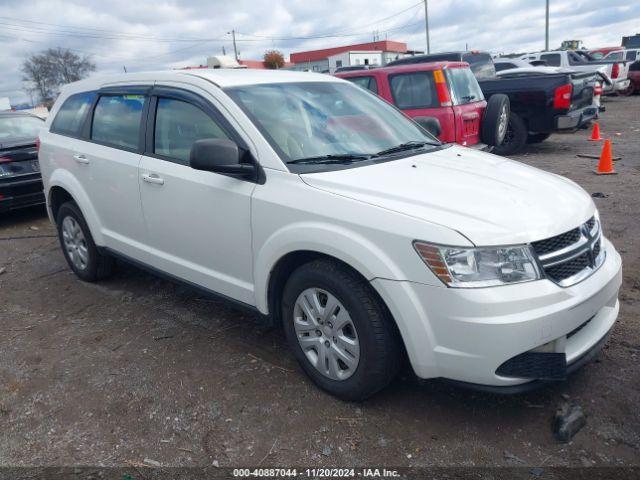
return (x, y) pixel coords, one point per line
(339, 330)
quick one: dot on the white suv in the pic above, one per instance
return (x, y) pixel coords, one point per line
(326, 210)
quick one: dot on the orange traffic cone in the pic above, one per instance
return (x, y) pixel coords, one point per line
(605, 166)
(595, 134)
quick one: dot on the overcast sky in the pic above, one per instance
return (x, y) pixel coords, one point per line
(152, 34)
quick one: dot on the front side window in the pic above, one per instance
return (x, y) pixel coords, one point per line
(178, 125)
(464, 86)
(70, 118)
(552, 59)
(312, 119)
(631, 55)
(414, 90)
(116, 120)
(368, 83)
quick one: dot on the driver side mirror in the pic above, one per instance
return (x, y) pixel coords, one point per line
(220, 155)
(430, 124)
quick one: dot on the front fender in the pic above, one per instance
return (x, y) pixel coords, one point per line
(64, 179)
(335, 241)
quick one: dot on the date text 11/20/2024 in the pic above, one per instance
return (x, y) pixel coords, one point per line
(315, 472)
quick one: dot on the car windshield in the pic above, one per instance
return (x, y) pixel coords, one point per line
(327, 121)
(19, 127)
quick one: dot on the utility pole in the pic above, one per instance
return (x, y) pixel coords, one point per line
(426, 22)
(546, 30)
(235, 48)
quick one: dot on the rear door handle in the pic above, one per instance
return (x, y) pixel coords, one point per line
(78, 157)
(152, 178)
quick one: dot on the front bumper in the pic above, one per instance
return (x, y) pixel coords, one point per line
(467, 334)
(21, 192)
(576, 118)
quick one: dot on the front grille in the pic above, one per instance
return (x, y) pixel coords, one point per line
(558, 242)
(571, 256)
(568, 269)
(536, 365)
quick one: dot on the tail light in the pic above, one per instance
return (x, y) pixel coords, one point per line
(562, 97)
(5, 159)
(615, 70)
(441, 88)
(37, 144)
(597, 90)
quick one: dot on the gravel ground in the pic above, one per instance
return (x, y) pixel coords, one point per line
(135, 368)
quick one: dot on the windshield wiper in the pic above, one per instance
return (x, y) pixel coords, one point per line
(412, 145)
(332, 158)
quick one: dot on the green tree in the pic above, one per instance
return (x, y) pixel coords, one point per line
(274, 59)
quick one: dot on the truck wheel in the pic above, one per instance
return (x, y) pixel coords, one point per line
(78, 246)
(627, 91)
(515, 137)
(537, 137)
(495, 120)
(340, 332)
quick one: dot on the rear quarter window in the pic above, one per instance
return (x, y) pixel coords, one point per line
(414, 90)
(70, 118)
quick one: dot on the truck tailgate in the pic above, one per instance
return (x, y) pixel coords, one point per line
(583, 84)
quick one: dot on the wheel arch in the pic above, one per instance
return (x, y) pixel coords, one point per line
(65, 187)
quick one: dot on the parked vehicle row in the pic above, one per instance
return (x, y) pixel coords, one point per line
(326, 210)
(20, 181)
(540, 101)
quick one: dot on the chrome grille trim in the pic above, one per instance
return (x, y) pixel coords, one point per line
(586, 250)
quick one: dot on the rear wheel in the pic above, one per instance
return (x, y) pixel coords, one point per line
(339, 330)
(627, 91)
(515, 138)
(537, 137)
(78, 247)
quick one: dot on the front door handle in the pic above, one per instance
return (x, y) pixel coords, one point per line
(78, 157)
(152, 178)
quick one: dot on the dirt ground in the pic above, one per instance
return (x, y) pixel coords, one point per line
(136, 369)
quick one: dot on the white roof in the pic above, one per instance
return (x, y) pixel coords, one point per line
(221, 77)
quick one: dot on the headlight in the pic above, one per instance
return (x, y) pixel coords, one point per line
(479, 267)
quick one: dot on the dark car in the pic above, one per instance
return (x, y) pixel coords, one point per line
(20, 180)
(480, 62)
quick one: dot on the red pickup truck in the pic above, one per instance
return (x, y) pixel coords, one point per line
(444, 97)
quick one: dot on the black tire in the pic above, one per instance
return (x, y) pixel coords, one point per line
(515, 138)
(495, 120)
(380, 347)
(98, 265)
(537, 137)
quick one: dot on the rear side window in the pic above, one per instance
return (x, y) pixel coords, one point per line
(464, 86)
(481, 64)
(414, 90)
(368, 83)
(178, 125)
(631, 55)
(70, 118)
(552, 59)
(116, 120)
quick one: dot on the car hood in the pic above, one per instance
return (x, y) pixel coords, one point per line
(489, 199)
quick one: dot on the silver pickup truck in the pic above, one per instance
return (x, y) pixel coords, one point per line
(616, 71)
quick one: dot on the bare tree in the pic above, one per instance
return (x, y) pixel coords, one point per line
(46, 71)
